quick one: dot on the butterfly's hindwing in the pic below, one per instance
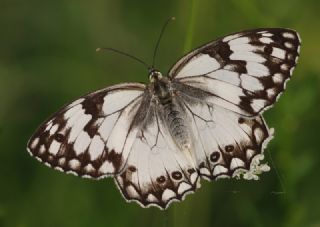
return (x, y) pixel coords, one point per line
(90, 137)
(226, 144)
(157, 172)
(244, 72)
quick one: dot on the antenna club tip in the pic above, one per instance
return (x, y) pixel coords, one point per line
(173, 18)
(98, 49)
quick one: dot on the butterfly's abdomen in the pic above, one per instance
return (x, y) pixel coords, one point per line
(176, 124)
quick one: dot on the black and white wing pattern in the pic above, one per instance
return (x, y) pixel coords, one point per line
(157, 171)
(226, 144)
(244, 72)
(92, 136)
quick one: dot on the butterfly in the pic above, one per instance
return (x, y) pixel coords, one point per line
(201, 120)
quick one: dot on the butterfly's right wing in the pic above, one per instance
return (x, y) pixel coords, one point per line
(92, 136)
(244, 72)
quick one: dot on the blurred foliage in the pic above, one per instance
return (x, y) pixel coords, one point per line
(47, 58)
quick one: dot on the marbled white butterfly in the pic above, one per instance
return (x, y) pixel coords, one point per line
(202, 120)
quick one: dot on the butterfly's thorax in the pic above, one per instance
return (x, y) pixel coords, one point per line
(161, 88)
(172, 112)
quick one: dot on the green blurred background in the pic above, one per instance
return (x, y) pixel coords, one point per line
(48, 58)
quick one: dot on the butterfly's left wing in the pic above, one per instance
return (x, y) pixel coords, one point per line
(92, 136)
(244, 72)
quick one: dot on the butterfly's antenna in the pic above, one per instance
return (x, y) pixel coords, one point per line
(125, 54)
(159, 39)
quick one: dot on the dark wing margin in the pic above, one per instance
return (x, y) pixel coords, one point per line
(91, 136)
(250, 68)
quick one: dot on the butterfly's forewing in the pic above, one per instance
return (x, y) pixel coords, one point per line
(243, 72)
(157, 172)
(91, 136)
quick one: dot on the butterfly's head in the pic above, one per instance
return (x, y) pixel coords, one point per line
(154, 75)
(159, 85)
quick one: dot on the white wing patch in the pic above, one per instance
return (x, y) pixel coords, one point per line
(200, 65)
(116, 100)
